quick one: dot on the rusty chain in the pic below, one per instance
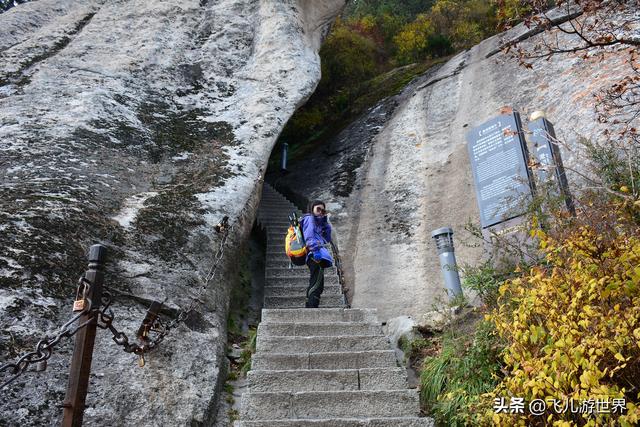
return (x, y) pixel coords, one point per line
(104, 316)
(44, 348)
(157, 325)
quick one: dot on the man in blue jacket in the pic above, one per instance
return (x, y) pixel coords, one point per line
(316, 230)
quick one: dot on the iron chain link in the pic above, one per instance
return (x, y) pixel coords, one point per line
(44, 348)
(159, 327)
(103, 316)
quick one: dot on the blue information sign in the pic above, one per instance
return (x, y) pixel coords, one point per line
(498, 156)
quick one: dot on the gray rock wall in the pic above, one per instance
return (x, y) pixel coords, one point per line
(138, 125)
(402, 170)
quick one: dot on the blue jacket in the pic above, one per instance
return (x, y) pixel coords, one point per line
(316, 230)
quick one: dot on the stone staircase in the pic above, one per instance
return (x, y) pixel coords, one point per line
(330, 366)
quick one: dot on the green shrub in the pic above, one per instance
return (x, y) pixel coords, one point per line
(465, 368)
(347, 58)
(412, 347)
(248, 350)
(485, 280)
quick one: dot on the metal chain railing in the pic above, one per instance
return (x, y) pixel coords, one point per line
(339, 270)
(44, 348)
(152, 323)
(104, 317)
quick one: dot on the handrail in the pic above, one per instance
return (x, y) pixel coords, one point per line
(338, 263)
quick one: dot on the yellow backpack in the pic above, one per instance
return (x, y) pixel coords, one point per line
(294, 244)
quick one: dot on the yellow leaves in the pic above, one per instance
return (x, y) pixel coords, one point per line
(537, 333)
(587, 309)
(588, 379)
(572, 327)
(368, 23)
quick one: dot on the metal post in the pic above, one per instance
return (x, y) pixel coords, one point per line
(444, 244)
(83, 350)
(283, 161)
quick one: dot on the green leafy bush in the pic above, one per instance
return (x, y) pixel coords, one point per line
(485, 280)
(466, 367)
(347, 58)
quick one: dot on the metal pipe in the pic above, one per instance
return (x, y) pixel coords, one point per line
(283, 161)
(444, 244)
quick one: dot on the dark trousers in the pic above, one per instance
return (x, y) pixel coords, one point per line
(316, 284)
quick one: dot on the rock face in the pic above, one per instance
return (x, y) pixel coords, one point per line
(402, 170)
(138, 125)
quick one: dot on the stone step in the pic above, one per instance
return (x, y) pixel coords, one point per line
(319, 329)
(279, 253)
(327, 380)
(305, 315)
(273, 195)
(322, 344)
(277, 247)
(328, 360)
(299, 280)
(296, 270)
(344, 422)
(278, 210)
(297, 291)
(275, 235)
(282, 232)
(280, 207)
(281, 214)
(283, 262)
(274, 198)
(296, 279)
(273, 225)
(326, 301)
(279, 257)
(270, 218)
(327, 404)
(277, 225)
(277, 238)
(302, 270)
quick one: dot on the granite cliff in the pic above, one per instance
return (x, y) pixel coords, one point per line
(402, 169)
(138, 125)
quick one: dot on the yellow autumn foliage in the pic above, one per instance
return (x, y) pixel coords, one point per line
(573, 329)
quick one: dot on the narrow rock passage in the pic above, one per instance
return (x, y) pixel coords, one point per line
(330, 366)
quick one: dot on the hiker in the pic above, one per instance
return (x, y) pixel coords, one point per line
(316, 230)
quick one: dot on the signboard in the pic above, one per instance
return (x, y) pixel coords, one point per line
(498, 156)
(547, 154)
(542, 149)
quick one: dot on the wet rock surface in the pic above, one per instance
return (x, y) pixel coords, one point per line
(402, 170)
(138, 126)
